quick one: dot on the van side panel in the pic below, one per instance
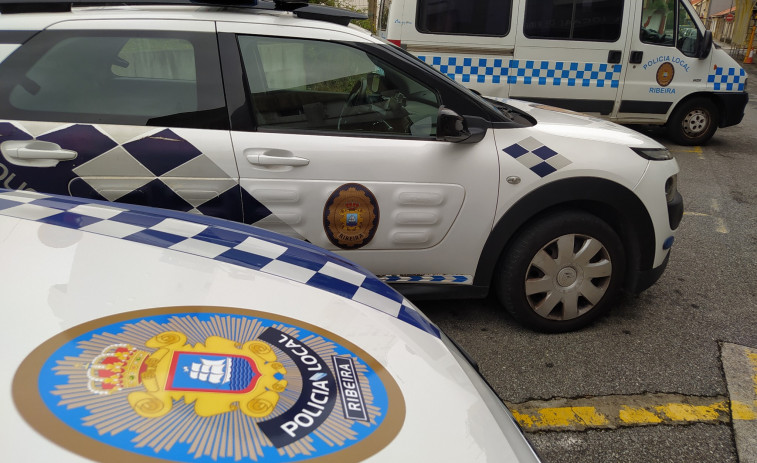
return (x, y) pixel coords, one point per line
(574, 67)
(443, 39)
(630, 61)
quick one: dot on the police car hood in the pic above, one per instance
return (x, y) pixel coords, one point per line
(571, 124)
(134, 332)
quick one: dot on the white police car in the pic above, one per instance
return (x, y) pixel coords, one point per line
(278, 114)
(134, 332)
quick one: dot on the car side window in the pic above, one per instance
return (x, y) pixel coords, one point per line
(312, 85)
(127, 77)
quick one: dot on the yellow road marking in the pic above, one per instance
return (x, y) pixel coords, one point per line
(694, 149)
(613, 412)
(721, 225)
(697, 413)
(637, 416)
(743, 412)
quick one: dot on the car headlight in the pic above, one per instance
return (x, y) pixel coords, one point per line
(654, 154)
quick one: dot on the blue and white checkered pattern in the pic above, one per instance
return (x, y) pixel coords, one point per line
(727, 79)
(219, 240)
(564, 73)
(533, 154)
(527, 72)
(481, 70)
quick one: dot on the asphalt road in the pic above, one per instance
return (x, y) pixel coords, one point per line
(668, 340)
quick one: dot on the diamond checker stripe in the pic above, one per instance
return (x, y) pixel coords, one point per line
(536, 156)
(219, 240)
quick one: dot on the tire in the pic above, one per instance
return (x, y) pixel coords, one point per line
(694, 122)
(561, 272)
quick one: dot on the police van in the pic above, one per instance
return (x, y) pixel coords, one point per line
(632, 62)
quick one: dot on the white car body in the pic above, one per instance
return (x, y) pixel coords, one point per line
(433, 215)
(92, 286)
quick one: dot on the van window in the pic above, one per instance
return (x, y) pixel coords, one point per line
(687, 32)
(469, 17)
(591, 20)
(658, 22)
(658, 25)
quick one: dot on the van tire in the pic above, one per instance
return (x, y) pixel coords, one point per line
(693, 122)
(568, 290)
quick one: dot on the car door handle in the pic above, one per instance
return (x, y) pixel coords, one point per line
(35, 153)
(264, 157)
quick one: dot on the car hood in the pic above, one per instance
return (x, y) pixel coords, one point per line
(139, 333)
(571, 124)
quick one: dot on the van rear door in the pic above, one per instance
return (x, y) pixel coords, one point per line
(569, 53)
(471, 41)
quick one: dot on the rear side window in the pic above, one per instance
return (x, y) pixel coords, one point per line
(128, 77)
(589, 20)
(468, 17)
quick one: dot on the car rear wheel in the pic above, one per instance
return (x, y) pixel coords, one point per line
(561, 272)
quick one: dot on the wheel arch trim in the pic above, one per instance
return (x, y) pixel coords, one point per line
(612, 202)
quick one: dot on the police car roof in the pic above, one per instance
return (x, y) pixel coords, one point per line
(300, 8)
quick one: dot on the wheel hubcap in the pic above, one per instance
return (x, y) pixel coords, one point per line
(696, 123)
(568, 277)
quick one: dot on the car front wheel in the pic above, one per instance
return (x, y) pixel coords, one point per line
(693, 123)
(561, 272)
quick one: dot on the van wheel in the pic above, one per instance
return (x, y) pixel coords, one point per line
(562, 272)
(693, 122)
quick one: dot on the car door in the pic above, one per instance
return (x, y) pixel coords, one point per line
(569, 53)
(342, 153)
(663, 66)
(133, 113)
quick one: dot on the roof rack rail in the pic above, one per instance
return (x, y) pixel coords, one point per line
(300, 8)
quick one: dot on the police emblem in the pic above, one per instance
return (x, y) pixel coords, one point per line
(207, 384)
(351, 216)
(665, 74)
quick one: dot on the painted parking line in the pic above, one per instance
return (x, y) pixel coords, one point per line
(694, 149)
(738, 409)
(612, 412)
(720, 224)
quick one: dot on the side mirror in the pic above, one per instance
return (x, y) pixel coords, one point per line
(704, 45)
(452, 127)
